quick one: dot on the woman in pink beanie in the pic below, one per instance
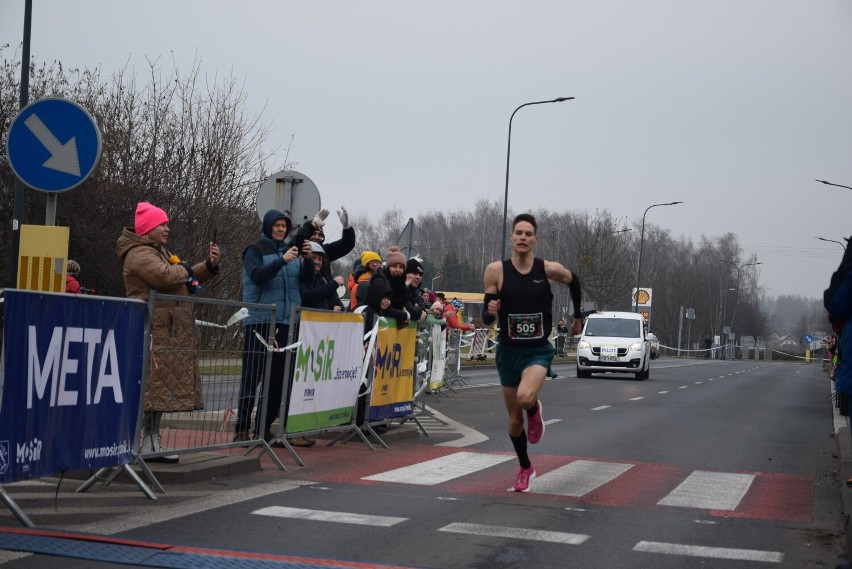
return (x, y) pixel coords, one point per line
(174, 382)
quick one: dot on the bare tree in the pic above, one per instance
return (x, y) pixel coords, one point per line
(180, 140)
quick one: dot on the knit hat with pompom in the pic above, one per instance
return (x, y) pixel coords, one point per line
(394, 256)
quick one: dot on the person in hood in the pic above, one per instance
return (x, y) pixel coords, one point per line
(837, 299)
(174, 382)
(272, 273)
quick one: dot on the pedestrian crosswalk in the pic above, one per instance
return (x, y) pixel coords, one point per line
(618, 483)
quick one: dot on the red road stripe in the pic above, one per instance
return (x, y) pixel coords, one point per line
(776, 497)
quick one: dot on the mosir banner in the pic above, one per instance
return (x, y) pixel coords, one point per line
(327, 373)
(71, 376)
(393, 385)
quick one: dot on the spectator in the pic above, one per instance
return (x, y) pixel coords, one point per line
(453, 321)
(838, 301)
(413, 280)
(320, 293)
(435, 315)
(562, 332)
(72, 279)
(313, 231)
(174, 382)
(272, 274)
(359, 280)
(392, 278)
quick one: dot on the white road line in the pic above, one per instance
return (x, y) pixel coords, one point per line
(698, 382)
(578, 478)
(552, 421)
(714, 552)
(469, 436)
(683, 387)
(519, 533)
(637, 398)
(601, 408)
(662, 392)
(178, 510)
(710, 491)
(326, 516)
(442, 469)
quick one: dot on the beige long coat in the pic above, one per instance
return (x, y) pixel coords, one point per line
(174, 383)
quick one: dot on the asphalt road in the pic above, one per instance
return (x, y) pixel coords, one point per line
(707, 463)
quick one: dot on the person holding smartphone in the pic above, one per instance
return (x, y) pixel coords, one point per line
(272, 273)
(174, 381)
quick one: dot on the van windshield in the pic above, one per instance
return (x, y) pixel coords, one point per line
(613, 327)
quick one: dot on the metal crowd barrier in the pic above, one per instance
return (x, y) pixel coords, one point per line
(215, 345)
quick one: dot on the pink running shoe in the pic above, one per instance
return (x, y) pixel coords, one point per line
(535, 426)
(525, 476)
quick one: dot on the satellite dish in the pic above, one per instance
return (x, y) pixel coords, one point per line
(290, 192)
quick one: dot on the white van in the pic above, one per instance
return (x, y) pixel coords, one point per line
(614, 342)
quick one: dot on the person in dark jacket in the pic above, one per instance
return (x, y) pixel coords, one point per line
(272, 273)
(838, 301)
(413, 280)
(334, 250)
(392, 279)
(320, 293)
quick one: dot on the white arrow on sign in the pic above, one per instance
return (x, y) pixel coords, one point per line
(63, 157)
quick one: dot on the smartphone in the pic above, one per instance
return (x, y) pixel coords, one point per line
(300, 243)
(214, 236)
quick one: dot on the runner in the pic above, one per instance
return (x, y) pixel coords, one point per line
(518, 295)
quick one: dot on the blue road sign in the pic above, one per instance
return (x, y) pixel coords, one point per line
(53, 145)
(809, 338)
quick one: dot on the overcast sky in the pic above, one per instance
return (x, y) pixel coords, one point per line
(734, 107)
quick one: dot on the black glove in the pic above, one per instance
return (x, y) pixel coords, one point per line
(188, 268)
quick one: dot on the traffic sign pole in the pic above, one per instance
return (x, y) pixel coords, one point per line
(18, 200)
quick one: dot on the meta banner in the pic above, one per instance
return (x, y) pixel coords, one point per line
(327, 372)
(71, 377)
(393, 384)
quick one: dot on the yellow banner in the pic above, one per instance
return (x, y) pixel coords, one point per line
(393, 384)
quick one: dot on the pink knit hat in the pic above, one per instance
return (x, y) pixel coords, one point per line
(394, 256)
(437, 304)
(148, 217)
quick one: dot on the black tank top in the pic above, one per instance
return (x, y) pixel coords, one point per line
(526, 302)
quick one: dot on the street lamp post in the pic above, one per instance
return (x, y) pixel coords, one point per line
(831, 241)
(830, 184)
(641, 244)
(436, 277)
(737, 301)
(738, 268)
(508, 154)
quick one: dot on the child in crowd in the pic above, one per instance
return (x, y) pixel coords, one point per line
(435, 315)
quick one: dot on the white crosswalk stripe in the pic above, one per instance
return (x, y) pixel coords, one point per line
(710, 490)
(578, 478)
(441, 469)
